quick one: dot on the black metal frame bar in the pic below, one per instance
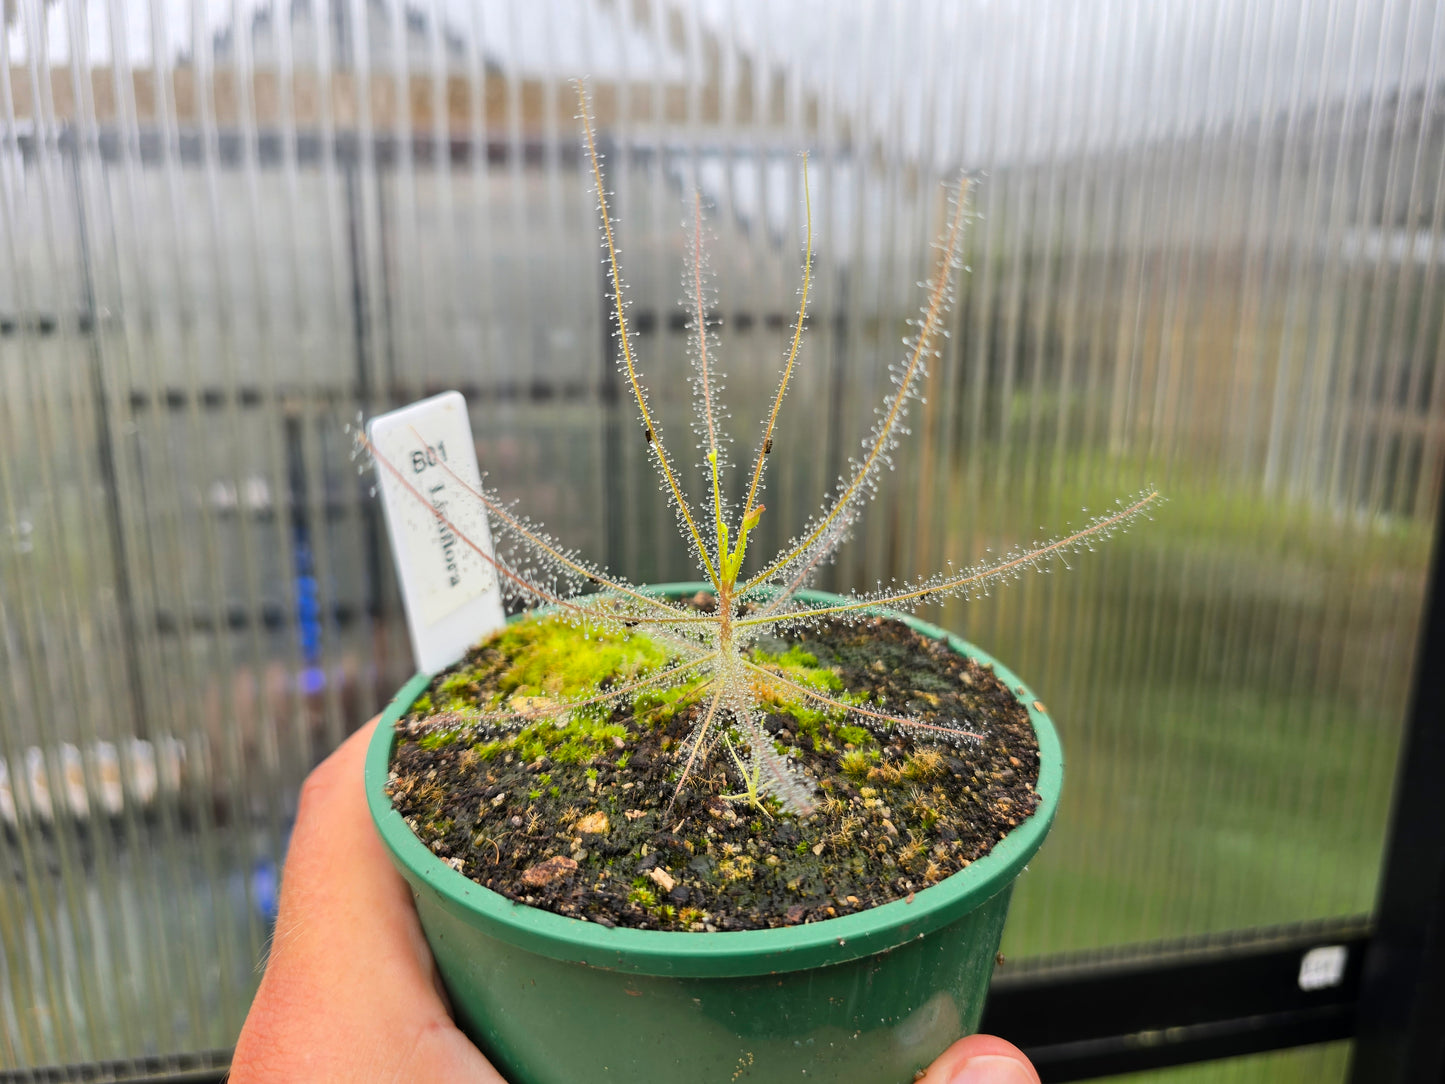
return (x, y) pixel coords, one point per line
(206, 1067)
(1102, 1014)
(1400, 1028)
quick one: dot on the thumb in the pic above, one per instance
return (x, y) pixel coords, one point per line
(981, 1059)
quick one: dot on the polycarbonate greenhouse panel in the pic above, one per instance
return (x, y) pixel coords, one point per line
(1205, 254)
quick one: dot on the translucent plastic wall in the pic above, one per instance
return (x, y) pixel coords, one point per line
(1207, 255)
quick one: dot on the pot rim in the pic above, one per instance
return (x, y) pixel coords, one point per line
(724, 953)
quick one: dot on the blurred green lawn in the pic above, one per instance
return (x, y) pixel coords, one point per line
(1229, 681)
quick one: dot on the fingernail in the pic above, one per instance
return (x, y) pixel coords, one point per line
(992, 1069)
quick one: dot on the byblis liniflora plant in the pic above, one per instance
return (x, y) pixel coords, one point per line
(711, 650)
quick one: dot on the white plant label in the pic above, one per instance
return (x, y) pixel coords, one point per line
(451, 593)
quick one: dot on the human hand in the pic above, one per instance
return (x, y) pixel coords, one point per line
(981, 1059)
(351, 991)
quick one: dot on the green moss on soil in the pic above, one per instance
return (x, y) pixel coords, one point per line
(895, 812)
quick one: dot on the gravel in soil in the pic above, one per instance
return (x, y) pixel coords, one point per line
(571, 814)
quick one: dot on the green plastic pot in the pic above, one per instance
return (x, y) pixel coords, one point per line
(868, 998)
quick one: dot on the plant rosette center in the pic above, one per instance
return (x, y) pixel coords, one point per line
(575, 808)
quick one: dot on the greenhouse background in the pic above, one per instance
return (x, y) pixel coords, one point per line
(1204, 254)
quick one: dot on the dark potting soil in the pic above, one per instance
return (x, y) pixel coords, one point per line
(572, 816)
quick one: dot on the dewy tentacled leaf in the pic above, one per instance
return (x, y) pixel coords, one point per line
(711, 650)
